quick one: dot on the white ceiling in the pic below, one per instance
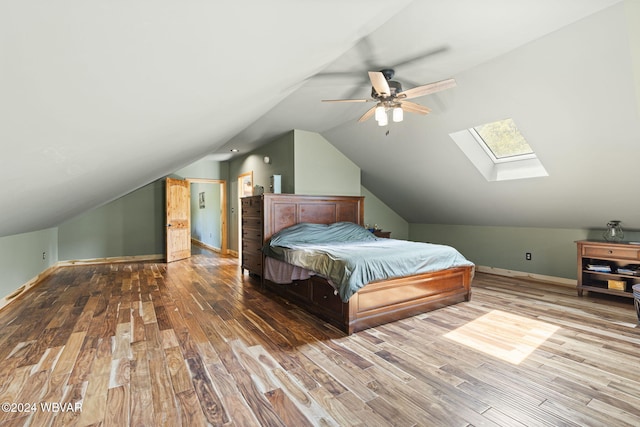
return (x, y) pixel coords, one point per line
(99, 98)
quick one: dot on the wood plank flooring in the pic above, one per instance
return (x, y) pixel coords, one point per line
(194, 343)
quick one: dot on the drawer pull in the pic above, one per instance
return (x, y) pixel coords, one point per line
(610, 251)
(324, 296)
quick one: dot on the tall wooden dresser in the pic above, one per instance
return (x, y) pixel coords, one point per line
(268, 213)
(252, 234)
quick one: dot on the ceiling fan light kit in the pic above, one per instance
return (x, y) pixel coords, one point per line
(398, 114)
(388, 95)
(384, 120)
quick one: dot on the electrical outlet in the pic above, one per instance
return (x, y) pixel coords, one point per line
(44, 255)
(528, 256)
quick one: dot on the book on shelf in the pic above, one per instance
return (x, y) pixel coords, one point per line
(631, 269)
(600, 268)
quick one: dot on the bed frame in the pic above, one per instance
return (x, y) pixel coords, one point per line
(376, 303)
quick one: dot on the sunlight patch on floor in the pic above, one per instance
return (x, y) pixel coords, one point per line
(504, 335)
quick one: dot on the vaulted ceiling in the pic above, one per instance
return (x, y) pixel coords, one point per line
(100, 98)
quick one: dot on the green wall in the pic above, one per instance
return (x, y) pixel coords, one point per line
(308, 164)
(321, 169)
(204, 169)
(376, 212)
(131, 225)
(21, 258)
(553, 250)
(134, 224)
(280, 153)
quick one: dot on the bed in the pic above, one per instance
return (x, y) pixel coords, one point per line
(368, 304)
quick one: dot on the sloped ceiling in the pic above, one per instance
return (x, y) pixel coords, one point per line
(564, 74)
(572, 95)
(99, 98)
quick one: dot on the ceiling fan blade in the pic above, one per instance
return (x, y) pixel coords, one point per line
(339, 75)
(421, 56)
(368, 114)
(365, 48)
(379, 83)
(348, 100)
(412, 107)
(427, 89)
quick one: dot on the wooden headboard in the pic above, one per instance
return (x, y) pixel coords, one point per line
(285, 210)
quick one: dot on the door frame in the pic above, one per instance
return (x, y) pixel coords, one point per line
(224, 249)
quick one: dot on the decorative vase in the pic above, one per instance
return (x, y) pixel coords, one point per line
(614, 232)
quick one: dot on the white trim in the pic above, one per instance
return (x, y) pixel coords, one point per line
(517, 167)
(524, 275)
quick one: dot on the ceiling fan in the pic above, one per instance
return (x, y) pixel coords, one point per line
(389, 96)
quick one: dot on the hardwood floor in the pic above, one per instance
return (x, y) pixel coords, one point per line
(194, 343)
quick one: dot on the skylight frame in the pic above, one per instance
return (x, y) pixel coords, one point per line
(515, 167)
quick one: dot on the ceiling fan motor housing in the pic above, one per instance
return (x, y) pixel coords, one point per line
(394, 86)
(392, 97)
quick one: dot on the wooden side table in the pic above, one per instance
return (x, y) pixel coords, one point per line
(384, 234)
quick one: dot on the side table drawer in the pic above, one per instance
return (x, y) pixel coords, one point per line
(611, 252)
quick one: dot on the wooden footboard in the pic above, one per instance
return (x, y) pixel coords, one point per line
(379, 302)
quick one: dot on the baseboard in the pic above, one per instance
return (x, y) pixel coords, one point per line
(205, 246)
(524, 275)
(40, 277)
(112, 260)
(30, 284)
(160, 257)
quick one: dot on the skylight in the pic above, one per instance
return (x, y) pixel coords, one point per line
(499, 151)
(502, 139)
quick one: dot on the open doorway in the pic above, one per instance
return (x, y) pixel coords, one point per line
(209, 214)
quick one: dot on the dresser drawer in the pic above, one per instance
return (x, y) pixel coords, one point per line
(252, 207)
(323, 295)
(251, 222)
(253, 234)
(252, 262)
(630, 253)
(251, 247)
(300, 289)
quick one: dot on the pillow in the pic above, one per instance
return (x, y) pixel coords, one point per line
(306, 232)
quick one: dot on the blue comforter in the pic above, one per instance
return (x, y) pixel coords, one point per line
(350, 256)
